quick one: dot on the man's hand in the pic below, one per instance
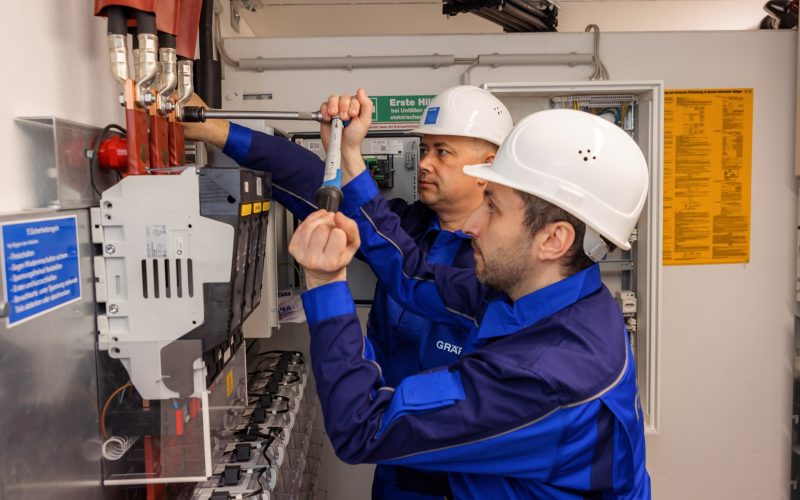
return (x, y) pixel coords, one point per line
(324, 245)
(211, 131)
(358, 111)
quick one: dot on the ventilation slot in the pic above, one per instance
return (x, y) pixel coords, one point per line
(156, 283)
(166, 278)
(191, 277)
(144, 278)
(179, 277)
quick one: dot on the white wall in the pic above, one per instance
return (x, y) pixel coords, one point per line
(727, 330)
(56, 65)
(379, 18)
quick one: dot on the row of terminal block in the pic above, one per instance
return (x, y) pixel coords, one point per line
(274, 453)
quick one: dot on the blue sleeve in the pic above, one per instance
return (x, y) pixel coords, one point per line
(296, 172)
(442, 293)
(484, 414)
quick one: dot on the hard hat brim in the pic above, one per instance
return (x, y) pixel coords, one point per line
(441, 131)
(485, 172)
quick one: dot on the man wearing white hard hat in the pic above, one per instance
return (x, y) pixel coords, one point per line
(462, 125)
(543, 402)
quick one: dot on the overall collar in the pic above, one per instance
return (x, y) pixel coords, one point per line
(436, 226)
(503, 317)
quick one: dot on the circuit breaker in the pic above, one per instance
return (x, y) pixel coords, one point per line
(391, 159)
(181, 258)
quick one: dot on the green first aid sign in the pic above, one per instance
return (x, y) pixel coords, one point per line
(399, 108)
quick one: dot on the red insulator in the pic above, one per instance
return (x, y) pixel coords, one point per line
(114, 153)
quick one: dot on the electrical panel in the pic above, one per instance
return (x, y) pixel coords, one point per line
(391, 159)
(632, 276)
(619, 265)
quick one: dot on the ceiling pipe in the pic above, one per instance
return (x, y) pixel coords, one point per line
(572, 59)
(347, 62)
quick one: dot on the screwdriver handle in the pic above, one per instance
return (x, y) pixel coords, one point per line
(329, 195)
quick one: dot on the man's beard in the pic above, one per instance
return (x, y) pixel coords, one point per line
(506, 267)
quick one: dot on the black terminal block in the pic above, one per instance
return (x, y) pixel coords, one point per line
(265, 401)
(259, 415)
(220, 495)
(243, 452)
(272, 387)
(232, 475)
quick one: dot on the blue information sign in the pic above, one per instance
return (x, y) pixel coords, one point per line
(41, 268)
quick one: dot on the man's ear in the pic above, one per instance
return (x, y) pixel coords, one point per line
(555, 241)
(489, 158)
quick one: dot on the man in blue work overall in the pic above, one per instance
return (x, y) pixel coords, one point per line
(462, 125)
(543, 402)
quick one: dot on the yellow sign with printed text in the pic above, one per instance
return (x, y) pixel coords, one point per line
(229, 383)
(257, 207)
(247, 209)
(708, 144)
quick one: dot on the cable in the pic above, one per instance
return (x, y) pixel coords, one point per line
(115, 447)
(265, 449)
(227, 59)
(93, 163)
(105, 408)
(295, 354)
(291, 381)
(266, 487)
(600, 71)
(276, 397)
(268, 411)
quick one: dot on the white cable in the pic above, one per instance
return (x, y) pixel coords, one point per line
(116, 447)
(465, 76)
(600, 71)
(220, 42)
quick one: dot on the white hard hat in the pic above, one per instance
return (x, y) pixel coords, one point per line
(579, 162)
(466, 111)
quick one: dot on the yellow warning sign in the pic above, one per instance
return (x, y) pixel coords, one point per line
(708, 142)
(229, 383)
(257, 207)
(247, 209)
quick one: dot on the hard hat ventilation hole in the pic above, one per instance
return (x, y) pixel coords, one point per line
(588, 153)
(586, 157)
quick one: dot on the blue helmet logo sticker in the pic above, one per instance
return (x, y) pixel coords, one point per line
(431, 116)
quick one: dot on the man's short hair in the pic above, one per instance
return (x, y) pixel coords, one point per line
(483, 146)
(539, 213)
